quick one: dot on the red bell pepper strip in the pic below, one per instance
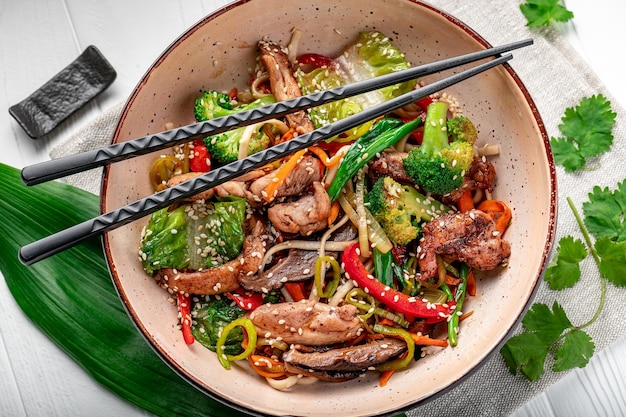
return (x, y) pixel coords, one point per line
(184, 307)
(411, 306)
(317, 60)
(201, 161)
(245, 299)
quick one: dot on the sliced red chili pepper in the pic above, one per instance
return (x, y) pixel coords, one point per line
(317, 60)
(424, 102)
(411, 306)
(233, 93)
(184, 307)
(201, 161)
(245, 299)
(332, 147)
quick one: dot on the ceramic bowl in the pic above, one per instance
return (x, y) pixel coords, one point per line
(218, 52)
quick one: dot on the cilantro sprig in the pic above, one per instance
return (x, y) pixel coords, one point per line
(548, 330)
(587, 132)
(544, 12)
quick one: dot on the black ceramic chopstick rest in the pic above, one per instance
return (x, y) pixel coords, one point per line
(65, 93)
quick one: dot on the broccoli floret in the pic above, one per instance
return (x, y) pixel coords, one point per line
(224, 147)
(400, 209)
(439, 165)
(212, 104)
(460, 128)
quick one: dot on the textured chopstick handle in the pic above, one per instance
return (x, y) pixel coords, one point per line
(67, 238)
(71, 164)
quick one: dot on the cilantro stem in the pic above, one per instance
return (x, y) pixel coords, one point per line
(596, 258)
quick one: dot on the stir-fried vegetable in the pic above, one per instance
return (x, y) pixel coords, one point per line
(385, 133)
(210, 318)
(412, 306)
(439, 165)
(371, 55)
(171, 238)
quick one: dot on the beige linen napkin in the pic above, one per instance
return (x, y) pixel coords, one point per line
(557, 78)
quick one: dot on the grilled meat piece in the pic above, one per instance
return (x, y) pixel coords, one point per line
(306, 172)
(469, 237)
(283, 83)
(304, 216)
(347, 359)
(389, 163)
(298, 265)
(307, 322)
(236, 188)
(480, 176)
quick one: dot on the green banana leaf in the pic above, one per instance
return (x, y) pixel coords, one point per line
(71, 298)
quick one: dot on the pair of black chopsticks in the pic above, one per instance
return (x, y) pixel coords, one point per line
(72, 164)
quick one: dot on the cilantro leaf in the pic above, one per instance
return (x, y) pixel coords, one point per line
(575, 351)
(543, 12)
(612, 260)
(566, 154)
(548, 325)
(588, 131)
(605, 213)
(564, 269)
(527, 353)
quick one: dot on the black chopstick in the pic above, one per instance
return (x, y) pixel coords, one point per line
(71, 236)
(71, 164)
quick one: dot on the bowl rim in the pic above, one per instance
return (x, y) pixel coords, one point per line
(547, 249)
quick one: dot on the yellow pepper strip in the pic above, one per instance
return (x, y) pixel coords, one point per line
(320, 274)
(403, 362)
(219, 346)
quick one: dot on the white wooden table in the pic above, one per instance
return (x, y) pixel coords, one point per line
(40, 37)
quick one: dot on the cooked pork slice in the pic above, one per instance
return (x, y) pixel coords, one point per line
(307, 322)
(352, 358)
(307, 171)
(469, 237)
(298, 265)
(389, 163)
(223, 278)
(283, 83)
(236, 188)
(304, 216)
(480, 176)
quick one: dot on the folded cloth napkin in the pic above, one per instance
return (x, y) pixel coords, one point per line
(557, 78)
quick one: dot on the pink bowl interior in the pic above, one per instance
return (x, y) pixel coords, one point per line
(211, 55)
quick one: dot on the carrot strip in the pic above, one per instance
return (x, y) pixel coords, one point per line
(296, 290)
(428, 341)
(287, 136)
(499, 211)
(267, 367)
(324, 158)
(281, 174)
(466, 202)
(466, 315)
(385, 376)
(385, 321)
(471, 283)
(450, 280)
(334, 213)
